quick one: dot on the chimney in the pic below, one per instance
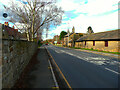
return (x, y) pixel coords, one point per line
(13, 26)
(6, 23)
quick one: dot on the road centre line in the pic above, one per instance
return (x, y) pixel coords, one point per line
(91, 62)
(57, 51)
(86, 59)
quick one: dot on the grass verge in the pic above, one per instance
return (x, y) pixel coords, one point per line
(96, 50)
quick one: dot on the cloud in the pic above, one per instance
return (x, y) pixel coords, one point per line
(101, 15)
(99, 24)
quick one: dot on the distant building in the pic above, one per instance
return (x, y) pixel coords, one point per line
(103, 41)
(9, 32)
(72, 37)
(50, 40)
(56, 38)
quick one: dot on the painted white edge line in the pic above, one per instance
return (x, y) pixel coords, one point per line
(112, 70)
(89, 62)
(54, 78)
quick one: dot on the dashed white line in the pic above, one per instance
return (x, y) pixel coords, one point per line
(86, 59)
(57, 51)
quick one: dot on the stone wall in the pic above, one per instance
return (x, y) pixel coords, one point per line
(113, 46)
(16, 54)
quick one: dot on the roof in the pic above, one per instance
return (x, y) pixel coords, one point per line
(68, 34)
(72, 33)
(109, 35)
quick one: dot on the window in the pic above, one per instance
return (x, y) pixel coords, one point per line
(93, 43)
(106, 43)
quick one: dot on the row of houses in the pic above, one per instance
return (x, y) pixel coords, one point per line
(102, 41)
(11, 33)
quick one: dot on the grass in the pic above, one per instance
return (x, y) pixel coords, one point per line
(95, 50)
(59, 45)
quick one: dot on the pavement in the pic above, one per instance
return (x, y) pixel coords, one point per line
(40, 75)
(86, 69)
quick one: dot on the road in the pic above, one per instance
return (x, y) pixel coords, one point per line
(86, 70)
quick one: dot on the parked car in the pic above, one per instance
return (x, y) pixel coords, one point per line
(46, 44)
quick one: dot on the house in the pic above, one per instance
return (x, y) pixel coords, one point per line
(103, 41)
(9, 32)
(70, 38)
(56, 39)
(50, 41)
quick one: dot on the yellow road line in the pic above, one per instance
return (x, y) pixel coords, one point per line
(60, 71)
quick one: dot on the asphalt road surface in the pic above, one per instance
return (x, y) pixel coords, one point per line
(86, 70)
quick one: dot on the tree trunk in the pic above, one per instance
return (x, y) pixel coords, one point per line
(33, 27)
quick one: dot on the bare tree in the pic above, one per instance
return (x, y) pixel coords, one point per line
(36, 15)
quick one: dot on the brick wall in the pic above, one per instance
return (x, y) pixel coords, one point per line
(15, 56)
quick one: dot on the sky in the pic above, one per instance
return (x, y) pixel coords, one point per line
(101, 15)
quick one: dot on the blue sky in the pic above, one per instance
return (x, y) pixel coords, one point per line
(101, 15)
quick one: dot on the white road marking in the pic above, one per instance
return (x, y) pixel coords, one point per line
(96, 58)
(70, 54)
(54, 78)
(93, 58)
(62, 50)
(57, 51)
(112, 70)
(80, 57)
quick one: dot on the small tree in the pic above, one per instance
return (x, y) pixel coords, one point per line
(90, 30)
(62, 34)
